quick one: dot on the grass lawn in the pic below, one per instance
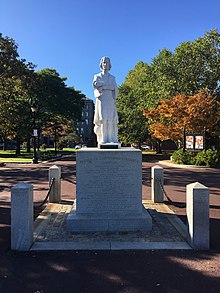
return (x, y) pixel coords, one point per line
(9, 156)
(148, 156)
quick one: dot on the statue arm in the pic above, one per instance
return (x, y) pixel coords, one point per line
(101, 85)
(97, 83)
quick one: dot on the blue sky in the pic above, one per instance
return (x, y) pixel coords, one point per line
(72, 35)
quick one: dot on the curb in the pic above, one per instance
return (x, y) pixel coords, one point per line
(170, 164)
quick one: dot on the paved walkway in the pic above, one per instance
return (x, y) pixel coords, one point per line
(168, 232)
(175, 180)
(134, 271)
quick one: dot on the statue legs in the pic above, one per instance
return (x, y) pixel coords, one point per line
(109, 132)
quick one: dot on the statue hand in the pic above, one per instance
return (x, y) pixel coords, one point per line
(98, 84)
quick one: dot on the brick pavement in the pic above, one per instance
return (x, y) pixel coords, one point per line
(141, 271)
(50, 232)
(175, 185)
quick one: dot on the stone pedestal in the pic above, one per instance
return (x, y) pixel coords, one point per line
(108, 192)
(109, 146)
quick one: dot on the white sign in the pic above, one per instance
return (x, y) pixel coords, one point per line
(35, 132)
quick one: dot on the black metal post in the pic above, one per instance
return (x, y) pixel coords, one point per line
(184, 139)
(35, 158)
(55, 139)
(204, 138)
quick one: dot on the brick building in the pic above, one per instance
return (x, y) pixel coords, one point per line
(85, 127)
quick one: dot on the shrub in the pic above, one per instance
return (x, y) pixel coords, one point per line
(183, 157)
(59, 145)
(43, 146)
(208, 158)
(24, 145)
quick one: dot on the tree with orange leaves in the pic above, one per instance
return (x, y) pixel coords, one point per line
(192, 112)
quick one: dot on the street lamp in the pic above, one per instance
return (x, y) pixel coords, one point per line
(35, 159)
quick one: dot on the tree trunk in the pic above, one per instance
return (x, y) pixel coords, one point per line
(38, 141)
(4, 144)
(139, 144)
(159, 151)
(28, 144)
(55, 140)
(18, 149)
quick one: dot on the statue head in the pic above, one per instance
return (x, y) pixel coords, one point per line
(107, 60)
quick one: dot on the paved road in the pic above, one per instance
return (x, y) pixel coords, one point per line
(112, 271)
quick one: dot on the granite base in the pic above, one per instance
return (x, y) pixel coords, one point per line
(101, 223)
(109, 192)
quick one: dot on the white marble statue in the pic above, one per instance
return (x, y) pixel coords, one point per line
(106, 117)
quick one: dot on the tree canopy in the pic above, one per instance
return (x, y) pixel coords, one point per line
(21, 87)
(193, 67)
(194, 113)
(16, 81)
(132, 123)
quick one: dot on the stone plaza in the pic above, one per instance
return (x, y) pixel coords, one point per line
(50, 233)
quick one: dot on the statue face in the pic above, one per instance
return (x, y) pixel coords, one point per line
(105, 64)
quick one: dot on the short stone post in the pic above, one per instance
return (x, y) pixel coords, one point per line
(156, 179)
(22, 216)
(197, 209)
(55, 194)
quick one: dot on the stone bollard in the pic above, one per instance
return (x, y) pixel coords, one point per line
(156, 191)
(55, 194)
(22, 216)
(197, 209)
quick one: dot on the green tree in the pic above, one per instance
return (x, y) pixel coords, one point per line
(16, 79)
(22, 88)
(132, 123)
(163, 78)
(57, 104)
(55, 98)
(193, 67)
(197, 65)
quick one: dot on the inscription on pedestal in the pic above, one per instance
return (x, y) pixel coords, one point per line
(108, 183)
(109, 189)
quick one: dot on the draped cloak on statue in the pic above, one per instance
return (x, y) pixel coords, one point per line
(105, 106)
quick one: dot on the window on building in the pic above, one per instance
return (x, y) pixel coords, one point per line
(81, 130)
(87, 121)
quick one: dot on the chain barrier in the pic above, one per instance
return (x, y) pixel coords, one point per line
(68, 180)
(176, 204)
(52, 180)
(180, 205)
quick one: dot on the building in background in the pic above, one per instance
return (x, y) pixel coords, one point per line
(85, 127)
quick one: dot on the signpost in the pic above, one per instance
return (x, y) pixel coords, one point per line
(193, 141)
